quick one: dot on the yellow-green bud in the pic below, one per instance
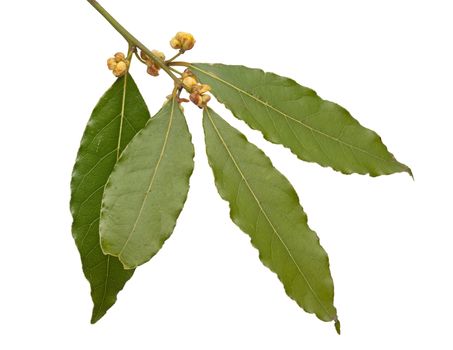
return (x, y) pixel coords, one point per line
(175, 43)
(187, 45)
(159, 54)
(186, 39)
(204, 88)
(120, 69)
(189, 82)
(111, 63)
(205, 99)
(119, 56)
(187, 73)
(182, 40)
(201, 88)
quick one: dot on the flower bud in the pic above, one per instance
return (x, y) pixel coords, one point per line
(205, 99)
(187, 73)
(175, 43)
(204, 88)
(189, 82)
(159, 54)
(201, 88)
(120, 69)
(119, 56)
(111, 63)
(182, 40)
(187, 45)
(187, 40)
(153, 70)
(200, 100)
(196, 98)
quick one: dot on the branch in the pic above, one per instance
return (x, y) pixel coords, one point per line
(132, 40)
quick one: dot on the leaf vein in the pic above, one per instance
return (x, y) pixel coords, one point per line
(293, 119)
(164, 146)
(266, 216)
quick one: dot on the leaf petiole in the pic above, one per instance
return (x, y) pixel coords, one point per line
(179, 64)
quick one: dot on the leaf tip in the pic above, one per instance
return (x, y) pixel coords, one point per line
(96, 315)
(411, 174)
(338, 326)
(407, 170)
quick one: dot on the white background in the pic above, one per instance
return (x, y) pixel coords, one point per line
(389, 239)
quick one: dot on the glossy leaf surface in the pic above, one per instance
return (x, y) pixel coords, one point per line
(287, 113)
(147, 188)
(118, 116)
(266, 207)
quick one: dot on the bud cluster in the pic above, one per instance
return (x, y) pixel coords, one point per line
(182, 41)
(197, 91)
(118, 64)
(153, 67)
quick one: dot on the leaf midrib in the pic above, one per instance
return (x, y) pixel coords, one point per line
(312, 129)
(120, 134)
(267, 217)
(164, 146)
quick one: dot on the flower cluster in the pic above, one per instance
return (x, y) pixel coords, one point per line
(182, 41)
(197, 91)
(118, 64)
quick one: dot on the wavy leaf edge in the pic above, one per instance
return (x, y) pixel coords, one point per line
(271, 139)
(236, 220)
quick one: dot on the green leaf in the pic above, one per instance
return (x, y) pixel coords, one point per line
(266, 207)
(287, 113)
(120, 113)
(147, 188)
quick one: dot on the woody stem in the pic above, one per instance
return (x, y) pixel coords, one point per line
(133, 41)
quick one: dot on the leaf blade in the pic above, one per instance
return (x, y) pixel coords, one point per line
(147, 189)
(119, 114)
(287, 113)
(266, 207)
